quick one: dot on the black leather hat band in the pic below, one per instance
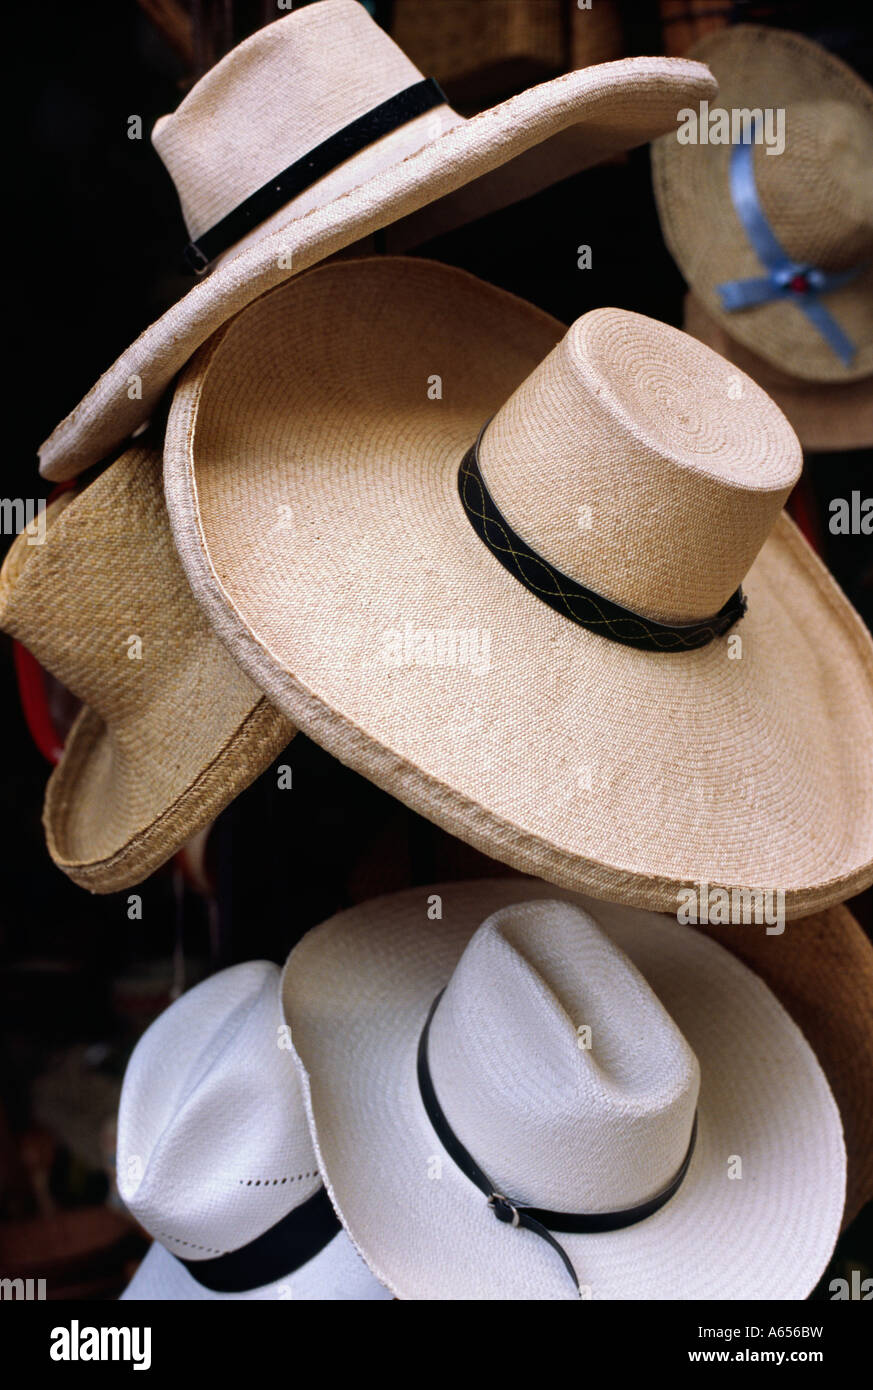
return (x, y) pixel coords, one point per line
(274, 1255)
(537, 1219)
(569, 598)
(389, 116)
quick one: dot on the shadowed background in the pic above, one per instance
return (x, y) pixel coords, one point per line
(99, 257)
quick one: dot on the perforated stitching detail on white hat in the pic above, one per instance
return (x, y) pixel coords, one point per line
(274, 1182)
(189, 1244)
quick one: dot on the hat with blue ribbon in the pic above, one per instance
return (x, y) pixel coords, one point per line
(826, 416)
(766, 202)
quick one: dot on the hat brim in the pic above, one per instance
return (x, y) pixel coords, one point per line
(825, 416)
(132, 788)
(821, 971)
(356, 993)
(616, 106)
(312, 489)
(757, 67)
(336, 1274)
(87, 805)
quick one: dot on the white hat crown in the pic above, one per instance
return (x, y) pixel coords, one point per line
(559, 1117)
(642, 465)
(276, 97)
(213, 1144)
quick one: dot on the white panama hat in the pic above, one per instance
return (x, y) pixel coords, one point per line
(687, 1147)
(214, 1156)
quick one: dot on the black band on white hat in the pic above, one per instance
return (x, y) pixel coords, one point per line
(388, 116)
(276, 1254)
(537, 1219)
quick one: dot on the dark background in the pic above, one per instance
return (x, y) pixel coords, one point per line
(96, 257)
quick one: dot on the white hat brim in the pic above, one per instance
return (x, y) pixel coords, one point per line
(336, 1274)
(356, 994)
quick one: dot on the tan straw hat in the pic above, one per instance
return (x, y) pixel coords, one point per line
(772, 226)
(643, 1114)
(171, 730)
(324, 94)
(821, 971)
(567, 685)
(830, 416)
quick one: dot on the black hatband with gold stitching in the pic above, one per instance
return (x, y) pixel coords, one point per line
(569, 598)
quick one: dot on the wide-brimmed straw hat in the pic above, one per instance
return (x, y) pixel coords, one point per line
(560, 1102)
(214, 1157)
(830, 416)
(539, 643)
(318, 131)
(171, 730)
(777, 243)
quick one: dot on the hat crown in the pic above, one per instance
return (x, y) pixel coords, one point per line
(641, 464)
(107, 554)
(554, 1122)
(213, 1144)
(818, 193)
(106, 575)
(276, 97)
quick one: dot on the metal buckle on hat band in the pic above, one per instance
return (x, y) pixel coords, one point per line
(503, 1209)
(381, 120)
(195, 260)
(538, 1220)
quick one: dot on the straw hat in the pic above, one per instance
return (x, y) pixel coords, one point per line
(628, 1091)
(328, 73)
(315, 457)
(172, 730)
(836, 415)
(804, 301)
(214, 1157)
(821, 971)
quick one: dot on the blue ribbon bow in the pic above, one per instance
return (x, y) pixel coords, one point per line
(786, 279)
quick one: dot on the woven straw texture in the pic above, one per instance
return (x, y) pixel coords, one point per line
(164, 742)
(289, 87)
(836, 415)
(560, 1125)
(817, 195)
(213, 1143)
(821, 971)
(312, 489)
